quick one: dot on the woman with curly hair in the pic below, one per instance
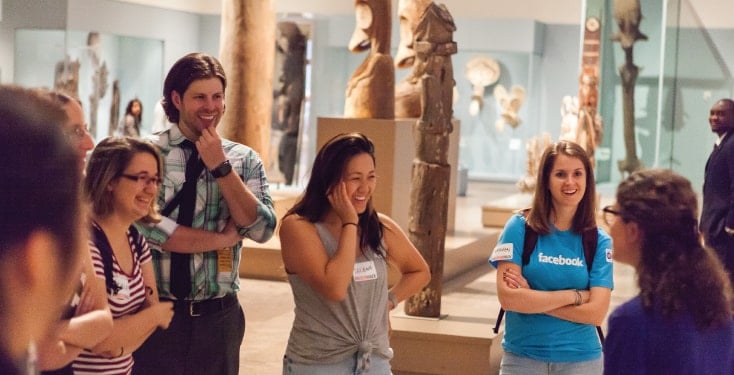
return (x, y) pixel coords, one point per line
(681, 322)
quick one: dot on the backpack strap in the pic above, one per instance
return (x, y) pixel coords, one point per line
(105, 251)
(531, 239)
(589, 238)
(138, 239)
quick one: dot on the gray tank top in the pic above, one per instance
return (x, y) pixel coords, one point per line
(328, 332)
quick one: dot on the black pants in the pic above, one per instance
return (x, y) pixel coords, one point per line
(204, 344)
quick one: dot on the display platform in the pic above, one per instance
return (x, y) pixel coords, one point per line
(496, 213)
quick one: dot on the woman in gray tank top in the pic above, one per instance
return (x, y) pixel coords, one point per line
(335, 248)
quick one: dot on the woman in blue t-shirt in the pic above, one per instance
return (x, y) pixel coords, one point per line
(681, 322)
(554, 301)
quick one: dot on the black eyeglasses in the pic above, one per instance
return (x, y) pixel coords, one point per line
(610, 215)
(143, 180)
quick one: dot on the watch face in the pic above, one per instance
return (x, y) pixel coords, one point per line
(592, 24)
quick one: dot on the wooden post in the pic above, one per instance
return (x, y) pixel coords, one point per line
(248, 57)
(431, 171)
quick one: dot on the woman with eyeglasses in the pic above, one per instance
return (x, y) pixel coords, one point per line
(86, 319)
(554, 302)
(122, 180)
(681, 321)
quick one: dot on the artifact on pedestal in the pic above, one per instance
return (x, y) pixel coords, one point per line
(371, 88)
(535, 147)
(407, 91)
(627, 14)
(434, 46)
(510, 103)
(481, 71)
(247, 55)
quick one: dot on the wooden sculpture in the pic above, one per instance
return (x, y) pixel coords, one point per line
(371, 88)
(291, 44)
(627, 14)
(408, 91)
(429, 199)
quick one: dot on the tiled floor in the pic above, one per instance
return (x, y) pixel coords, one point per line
(269, 304)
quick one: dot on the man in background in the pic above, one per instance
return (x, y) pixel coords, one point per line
(717, 216)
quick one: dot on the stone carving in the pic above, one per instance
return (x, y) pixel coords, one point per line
(481, 71)
(407, 91)
(371, 88)
(627, 14)
(427, 225)
(509, 103)
(289, 94)
(535, 147)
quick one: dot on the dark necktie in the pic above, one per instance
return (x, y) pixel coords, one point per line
(180, 263)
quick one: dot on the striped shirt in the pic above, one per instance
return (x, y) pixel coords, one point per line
(211, 213)
(127, 300)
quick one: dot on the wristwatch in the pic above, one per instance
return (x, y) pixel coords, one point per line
(222, 169)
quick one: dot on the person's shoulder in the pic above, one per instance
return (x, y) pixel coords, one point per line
(294, 226)
(628, 310)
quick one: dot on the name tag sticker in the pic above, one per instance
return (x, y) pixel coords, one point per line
(225, 260)
(502, 252)
(610, 255)
(364, 271)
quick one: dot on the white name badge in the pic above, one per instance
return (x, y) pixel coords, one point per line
(502, 252)
(364, 271)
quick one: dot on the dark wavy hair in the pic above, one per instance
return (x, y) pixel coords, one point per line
(676, 273)
(327, 171)
(190, 68)
(542, 206)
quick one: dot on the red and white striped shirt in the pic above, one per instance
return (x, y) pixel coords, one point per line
(128, 300)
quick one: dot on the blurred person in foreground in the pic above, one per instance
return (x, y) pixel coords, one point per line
(41, 225)
(681, 322)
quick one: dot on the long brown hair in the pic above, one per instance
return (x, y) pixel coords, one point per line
(542, 207)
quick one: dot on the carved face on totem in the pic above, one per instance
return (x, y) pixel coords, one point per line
(409, 13)
(372, 29)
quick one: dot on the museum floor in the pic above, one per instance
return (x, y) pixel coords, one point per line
(468, 297)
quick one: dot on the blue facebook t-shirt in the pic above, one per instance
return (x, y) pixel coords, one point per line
(557, 263)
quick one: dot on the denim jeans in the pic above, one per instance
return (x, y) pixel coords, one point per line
(516, 365)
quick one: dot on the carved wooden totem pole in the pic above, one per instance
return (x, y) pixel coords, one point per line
(408, 91)
(427, 224)
(627, 14)
(371, 88)
(589, 128)
(248, 57)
